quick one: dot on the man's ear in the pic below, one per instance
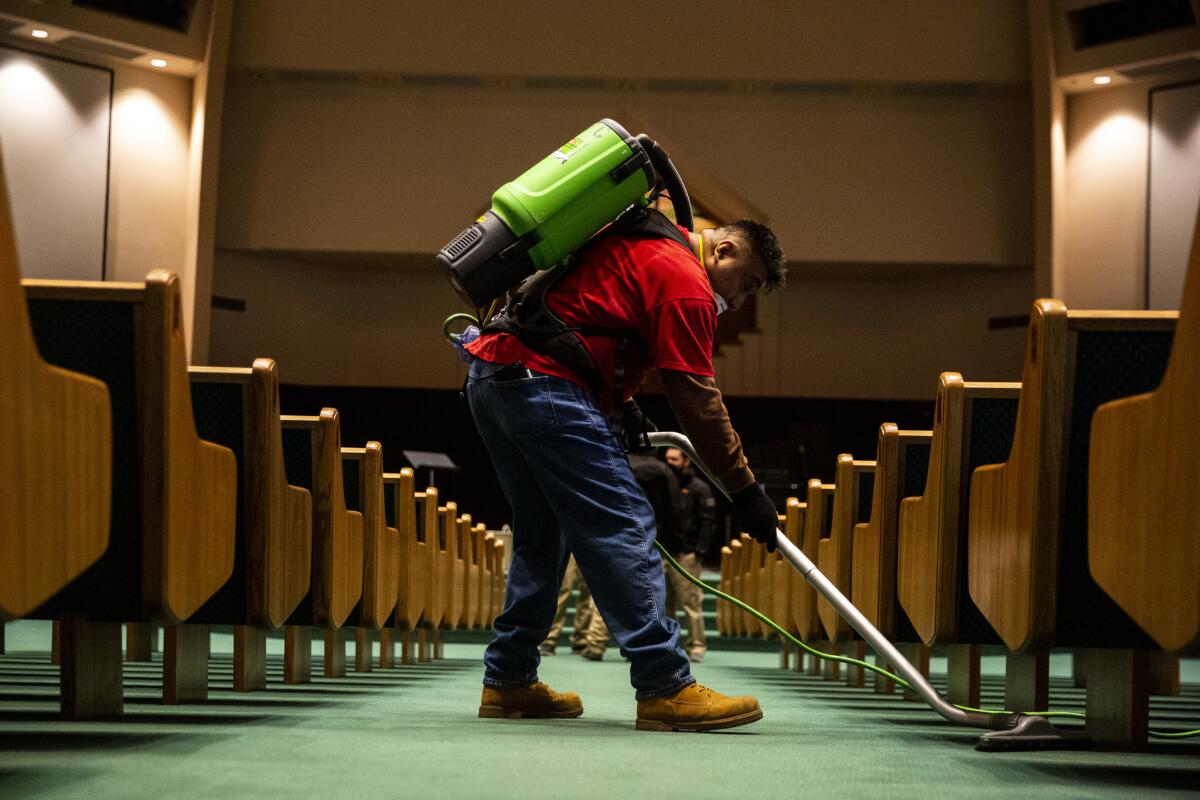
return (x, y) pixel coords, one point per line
(726, 248)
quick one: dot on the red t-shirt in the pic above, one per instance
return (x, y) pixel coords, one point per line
(655, 288)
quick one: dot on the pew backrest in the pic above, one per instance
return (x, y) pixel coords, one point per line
(56, 488)
(174, 495)
(1144, 490)
(239, 408)
(312, 458)
(973, 426)
(1027, 537)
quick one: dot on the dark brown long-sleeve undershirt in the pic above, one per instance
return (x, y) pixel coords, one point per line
(699, 408)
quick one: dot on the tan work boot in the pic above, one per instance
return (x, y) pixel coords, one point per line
(536, 701)
(696, 708)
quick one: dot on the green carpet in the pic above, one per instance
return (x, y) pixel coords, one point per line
(412, 732)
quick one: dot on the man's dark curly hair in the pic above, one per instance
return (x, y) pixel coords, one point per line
(762, 242)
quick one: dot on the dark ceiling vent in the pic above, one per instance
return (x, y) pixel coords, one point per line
(173, 14)
(1161, 68)
(1118, 20)
(103, 48)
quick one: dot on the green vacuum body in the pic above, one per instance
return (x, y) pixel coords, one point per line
(546, 214)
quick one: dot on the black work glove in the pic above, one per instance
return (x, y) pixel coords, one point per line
(637, 426)
(756, 514)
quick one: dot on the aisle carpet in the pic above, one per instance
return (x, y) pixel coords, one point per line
(412, 732)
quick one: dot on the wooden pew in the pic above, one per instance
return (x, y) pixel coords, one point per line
(786, 585)
(453, 570)
(429, 519)
(901, 462)
(415, 561)
(472, 570)
(973, 425)
(174, 495)
(741, 620)
(778, 602)
(1144, 491)
(851, 505)
(484, 577)
(818, 513)
(56, 463)
(239, 409)
(362, 477)
(500, 583)
(725, 610)
(312, 460)
(1027, 542)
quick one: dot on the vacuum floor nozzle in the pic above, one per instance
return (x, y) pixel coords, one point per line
(1031, 732)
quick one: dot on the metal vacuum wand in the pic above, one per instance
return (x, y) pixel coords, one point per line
(1009, 725)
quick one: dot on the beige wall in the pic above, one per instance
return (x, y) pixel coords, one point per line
(820, 338)
(335, 327)
(903, 140)
(863, 40)
(931, 178)
(147, 201)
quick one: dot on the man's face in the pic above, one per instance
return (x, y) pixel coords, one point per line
(735, 274)
(677, 461)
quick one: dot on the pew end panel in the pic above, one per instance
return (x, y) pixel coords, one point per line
(901, 460)
(362, 474)
(1027, 529)
(56, 466)
(851, 505)
(973, 426)
(816, 519)
(411, 590)
(1144, 491)
(173, 502)
(436, 564)
(312, 456)
(239, 408)
(795, 511)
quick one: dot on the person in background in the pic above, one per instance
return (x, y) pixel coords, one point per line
(698, 527)
(590, 635)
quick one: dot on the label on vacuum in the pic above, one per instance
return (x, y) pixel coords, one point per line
(569, 149)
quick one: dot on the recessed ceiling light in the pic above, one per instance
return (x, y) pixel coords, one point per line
(1102, 80)
(158, 62)
(38, 33)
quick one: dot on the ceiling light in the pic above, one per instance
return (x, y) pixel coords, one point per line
(1102, 80)
(38, 33)
(158, 62)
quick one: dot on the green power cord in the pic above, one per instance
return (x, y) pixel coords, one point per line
(856, 662)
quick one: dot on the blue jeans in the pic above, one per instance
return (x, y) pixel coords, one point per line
(572, 491)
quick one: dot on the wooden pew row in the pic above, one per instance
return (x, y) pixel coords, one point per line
(818, 514)
(173, 498)
(854, 482)
(362, 479)
(415, 558)
(1143, 495)
(56, 464)
(973, 425)
(785, 585)
(1027, 537)
(313, 461)
(429, 522)
(901, 463)
(239, 409)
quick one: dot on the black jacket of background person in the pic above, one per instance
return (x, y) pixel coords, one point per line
(699, 513)
(662, 490)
